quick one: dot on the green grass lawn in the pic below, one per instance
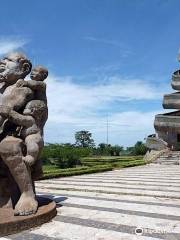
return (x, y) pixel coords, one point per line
(93, 165)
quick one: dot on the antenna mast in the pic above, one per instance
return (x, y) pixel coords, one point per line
(107, 131)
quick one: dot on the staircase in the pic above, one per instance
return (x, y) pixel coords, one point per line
(169, 158)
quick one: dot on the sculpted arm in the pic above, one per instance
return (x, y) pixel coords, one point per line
(16, 118)
(19, 119)
(36, 85)
(32, 84)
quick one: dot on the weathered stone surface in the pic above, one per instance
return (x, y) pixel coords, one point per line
(167, 125)
(171, 101)
(23, 114)
(176, 80)
(155, 143)
(167, 121)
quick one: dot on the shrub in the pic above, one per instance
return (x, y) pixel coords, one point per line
(104, 149)
(64, 156)
(140, 148)
(77, 171)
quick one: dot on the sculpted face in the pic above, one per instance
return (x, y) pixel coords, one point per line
(38, 110)
(39, 73)
(35, 108)
(13, 67)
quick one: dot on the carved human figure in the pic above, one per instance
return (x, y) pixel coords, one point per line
(38, 75)
(18, 94)
(31, 122)
(14, 66)
(14, 97)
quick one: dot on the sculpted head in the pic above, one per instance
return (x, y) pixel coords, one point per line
(14, 66)
(39, 73)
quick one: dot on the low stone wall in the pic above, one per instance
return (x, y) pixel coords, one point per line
(152, 155)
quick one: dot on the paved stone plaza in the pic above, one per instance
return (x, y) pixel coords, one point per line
(111, 205)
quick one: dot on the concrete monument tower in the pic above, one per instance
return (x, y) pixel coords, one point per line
(164, 146)
(167, 125)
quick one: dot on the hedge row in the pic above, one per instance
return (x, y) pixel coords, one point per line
(130, 164)
(89, 163)
(57, 170)
(75, 171)
(86, 160)
(87, 170)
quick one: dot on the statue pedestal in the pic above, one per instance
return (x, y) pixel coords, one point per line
(10, 224)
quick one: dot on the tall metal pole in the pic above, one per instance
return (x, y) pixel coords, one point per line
(107, 131)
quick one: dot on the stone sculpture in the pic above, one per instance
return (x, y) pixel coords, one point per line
(23, 113)
(167, 125)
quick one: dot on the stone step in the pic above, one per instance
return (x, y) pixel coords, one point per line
(166, 160)
(168, 163)
(171, 162)
(170, 158)
(111, 205)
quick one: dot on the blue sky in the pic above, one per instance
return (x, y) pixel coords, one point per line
(104, 57)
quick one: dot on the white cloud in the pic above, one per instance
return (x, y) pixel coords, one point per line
(103, 40)
(125, 52)
(10, 44)
(74, 107)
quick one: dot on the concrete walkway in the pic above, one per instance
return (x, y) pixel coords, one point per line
(113, 205)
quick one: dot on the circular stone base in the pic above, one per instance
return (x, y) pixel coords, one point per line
(10, 224)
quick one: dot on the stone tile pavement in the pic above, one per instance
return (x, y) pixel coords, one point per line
(139, 203)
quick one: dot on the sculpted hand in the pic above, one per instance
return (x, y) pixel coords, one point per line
(21, 83)
(29, 160)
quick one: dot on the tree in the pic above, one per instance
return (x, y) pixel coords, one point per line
(103, 149)
(139, 148)
(84, 139)
(108, 149)
(102, 146)
(116, 150)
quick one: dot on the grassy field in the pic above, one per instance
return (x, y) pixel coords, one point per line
(93, 165)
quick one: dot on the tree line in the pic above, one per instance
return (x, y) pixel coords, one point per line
(69, 155)
(84, 139)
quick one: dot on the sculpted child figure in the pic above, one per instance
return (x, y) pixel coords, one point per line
(31, 122)
(16, 96)
(36, 112)
(38, 75)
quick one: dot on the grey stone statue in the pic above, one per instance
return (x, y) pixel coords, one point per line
(23, 113)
